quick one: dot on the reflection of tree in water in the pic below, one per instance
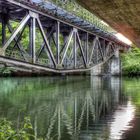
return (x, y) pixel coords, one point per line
(62, 108)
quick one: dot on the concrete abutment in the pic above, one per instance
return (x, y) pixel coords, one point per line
(112, 67)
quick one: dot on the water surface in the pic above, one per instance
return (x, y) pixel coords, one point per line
(74, 108)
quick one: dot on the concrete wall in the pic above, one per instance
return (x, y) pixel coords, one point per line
(97, 70)
(111, 67)
(115, 64)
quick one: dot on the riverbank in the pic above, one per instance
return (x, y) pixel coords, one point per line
(131, 62)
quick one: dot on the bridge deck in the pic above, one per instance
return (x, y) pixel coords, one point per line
(38, 68)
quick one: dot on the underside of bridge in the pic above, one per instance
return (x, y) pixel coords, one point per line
(122, 15)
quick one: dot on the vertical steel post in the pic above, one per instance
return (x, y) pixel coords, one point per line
(103, 44)
(57, 26)
(74, 48)
(32, 39)
(87, 47)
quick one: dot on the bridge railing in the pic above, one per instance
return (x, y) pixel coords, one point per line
(73, 7)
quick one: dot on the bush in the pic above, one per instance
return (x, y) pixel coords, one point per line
(131, 62)
(7, 131)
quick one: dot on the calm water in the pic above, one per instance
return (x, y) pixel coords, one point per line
(74, 108)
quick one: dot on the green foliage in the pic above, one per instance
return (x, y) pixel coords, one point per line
(7, 131)
(131, 62)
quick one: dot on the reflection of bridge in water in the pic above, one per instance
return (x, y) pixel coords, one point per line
(69, 109)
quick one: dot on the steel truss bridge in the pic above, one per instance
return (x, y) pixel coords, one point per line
(40, 36)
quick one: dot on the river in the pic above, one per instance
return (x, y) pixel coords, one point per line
(74, 107)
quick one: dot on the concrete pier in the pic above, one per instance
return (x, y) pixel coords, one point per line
(115, 65)
(111, 67)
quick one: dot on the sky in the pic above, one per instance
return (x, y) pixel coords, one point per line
(120, 36)
(123, 38)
